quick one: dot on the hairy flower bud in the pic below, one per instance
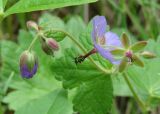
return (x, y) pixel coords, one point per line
(49, 46)
(28, 64)
(32, 25)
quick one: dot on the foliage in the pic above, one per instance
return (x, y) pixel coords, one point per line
(63, 87)
(81, 76)
(34, 5)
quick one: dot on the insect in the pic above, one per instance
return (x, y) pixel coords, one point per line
(79, 59)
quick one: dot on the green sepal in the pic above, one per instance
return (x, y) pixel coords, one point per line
(31, 60)
(118, 52)
(138, 46)
(123, 64)
(148, 55)
(58, 36)
(137, 61)
(125, 40)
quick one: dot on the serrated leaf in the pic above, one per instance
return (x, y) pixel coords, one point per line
(138, 46)
(53, 103)
(71, 74)
(137, 61)
(95, 96)
(34, 5)
(125, 40)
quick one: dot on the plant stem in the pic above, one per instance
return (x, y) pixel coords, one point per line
(81, 47)
(141, 104)
(0, 45)
(32, 43)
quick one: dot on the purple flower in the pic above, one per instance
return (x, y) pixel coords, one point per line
(104, 41)
(28, 64)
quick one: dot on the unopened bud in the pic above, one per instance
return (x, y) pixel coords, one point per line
(32, 25)
(28, 64)
(148, 55)
(49, 46)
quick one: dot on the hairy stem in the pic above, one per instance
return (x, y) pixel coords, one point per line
(32, 43)
(83, 49)
(140, 103)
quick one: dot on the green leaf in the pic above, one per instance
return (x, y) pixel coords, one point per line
(4, 3)
(95, 96)
(146, 82)
(34, 5)
(138, 46)
(1, 6)
(71, 74)
(125, 40)
(53, 103)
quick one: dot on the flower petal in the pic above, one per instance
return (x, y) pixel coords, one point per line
(106, 54)
(26, 73)
(112, 41)
(99, 27)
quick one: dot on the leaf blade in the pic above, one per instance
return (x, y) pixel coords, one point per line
(34, 5)
(95, 96)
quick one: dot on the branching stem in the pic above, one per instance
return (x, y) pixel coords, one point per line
(83, 49)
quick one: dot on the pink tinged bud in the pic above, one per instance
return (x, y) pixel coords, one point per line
(52, 44)
(49, 46)
(32, 25)
(28, 64)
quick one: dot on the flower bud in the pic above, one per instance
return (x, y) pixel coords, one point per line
(28, 64)
(49, 46)
(32, 25)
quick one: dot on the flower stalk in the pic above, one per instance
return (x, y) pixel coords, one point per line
(140, 103)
